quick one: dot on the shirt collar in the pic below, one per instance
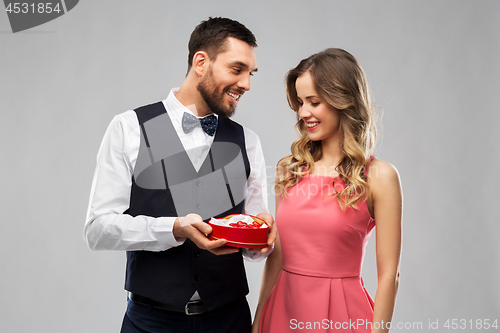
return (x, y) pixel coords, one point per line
(176, 108)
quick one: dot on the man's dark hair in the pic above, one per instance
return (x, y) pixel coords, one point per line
(210, 36)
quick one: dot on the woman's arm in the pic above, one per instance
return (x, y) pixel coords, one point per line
(271, 272)
(269, 278)
(387, 205)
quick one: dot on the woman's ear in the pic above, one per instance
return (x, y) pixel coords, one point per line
(200, 62)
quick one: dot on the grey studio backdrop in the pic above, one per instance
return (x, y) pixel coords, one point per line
(434, 71)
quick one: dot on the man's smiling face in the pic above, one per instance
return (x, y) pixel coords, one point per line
(228, 77)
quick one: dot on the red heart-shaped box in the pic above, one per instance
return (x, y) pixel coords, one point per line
(238, 237)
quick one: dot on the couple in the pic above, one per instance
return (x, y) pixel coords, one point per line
(164, 169)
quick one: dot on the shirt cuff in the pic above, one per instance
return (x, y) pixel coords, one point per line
(163, 229)
(255, 256)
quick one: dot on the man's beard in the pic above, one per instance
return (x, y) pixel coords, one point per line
(212, 97)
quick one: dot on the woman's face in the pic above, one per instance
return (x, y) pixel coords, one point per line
(322, 121)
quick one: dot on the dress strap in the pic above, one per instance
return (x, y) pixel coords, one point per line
(368, 165)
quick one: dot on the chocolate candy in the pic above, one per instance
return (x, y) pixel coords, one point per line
(244, 225)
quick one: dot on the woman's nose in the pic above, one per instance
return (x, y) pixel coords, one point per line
(304, 112)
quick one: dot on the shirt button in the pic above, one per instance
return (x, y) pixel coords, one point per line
(196, 253)
(198, 183)
(198, 206)
(197, 278)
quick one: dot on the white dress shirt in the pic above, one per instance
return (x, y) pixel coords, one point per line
(107, 228)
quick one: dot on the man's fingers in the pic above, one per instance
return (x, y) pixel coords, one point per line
(217, 247)
(203, 227)
(201, 240)
(266, 249)
(272, 233)
(268, 218)
(224, 250)
(190, 219)
(271, 237)
(213, 244)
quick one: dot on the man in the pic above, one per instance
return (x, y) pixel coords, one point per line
(163, 170)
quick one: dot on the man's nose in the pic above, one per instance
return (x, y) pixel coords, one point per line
(244, 82)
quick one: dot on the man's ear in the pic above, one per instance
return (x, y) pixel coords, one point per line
(200, 62)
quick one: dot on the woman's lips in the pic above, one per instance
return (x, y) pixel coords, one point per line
(312, 125)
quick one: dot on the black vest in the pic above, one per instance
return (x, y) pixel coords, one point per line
(165, 183)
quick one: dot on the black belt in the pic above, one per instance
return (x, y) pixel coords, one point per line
(191, 307)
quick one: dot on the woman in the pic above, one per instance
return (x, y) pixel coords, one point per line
(330, 192)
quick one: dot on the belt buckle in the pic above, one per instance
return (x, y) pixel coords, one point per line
(187, 308)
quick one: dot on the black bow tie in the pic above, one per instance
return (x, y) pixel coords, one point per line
(208, 123)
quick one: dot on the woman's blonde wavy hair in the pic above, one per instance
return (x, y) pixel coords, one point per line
(340, 82)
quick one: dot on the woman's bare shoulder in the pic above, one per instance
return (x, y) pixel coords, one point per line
(382, 173)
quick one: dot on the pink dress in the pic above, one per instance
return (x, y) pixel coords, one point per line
(319, 288)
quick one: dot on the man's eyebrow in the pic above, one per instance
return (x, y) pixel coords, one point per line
(242, 64)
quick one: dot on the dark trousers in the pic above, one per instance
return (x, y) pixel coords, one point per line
(231, 318)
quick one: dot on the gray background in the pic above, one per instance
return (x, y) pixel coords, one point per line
(434, 71)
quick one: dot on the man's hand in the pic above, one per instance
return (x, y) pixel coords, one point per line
(272, 232)
(192, 226)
